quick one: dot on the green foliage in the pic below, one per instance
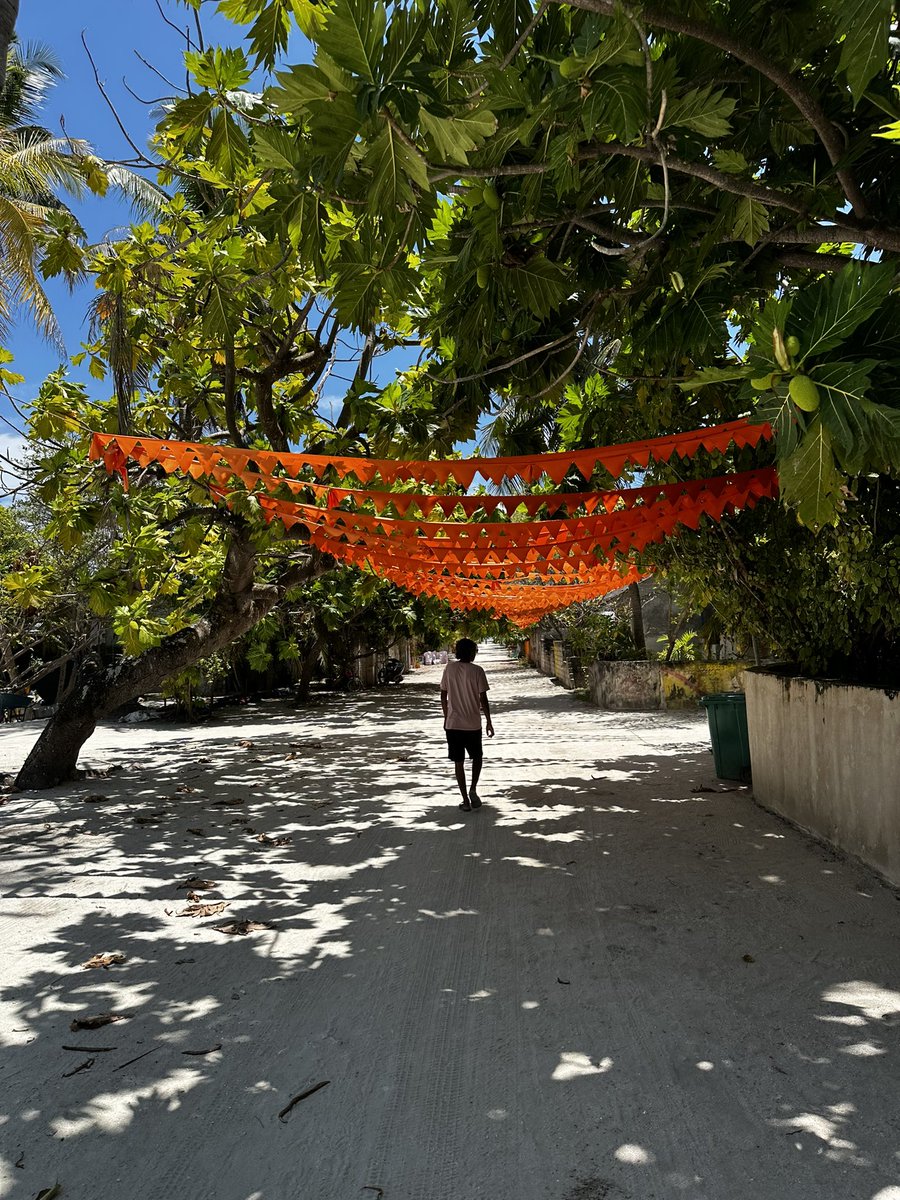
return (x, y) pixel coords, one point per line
(590, 631)
(826, 602)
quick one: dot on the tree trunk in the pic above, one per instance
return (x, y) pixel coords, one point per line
(9, 11)
(637, 619)
(310, 662)
(99, 690)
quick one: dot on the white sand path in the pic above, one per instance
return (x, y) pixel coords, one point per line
(604, 985)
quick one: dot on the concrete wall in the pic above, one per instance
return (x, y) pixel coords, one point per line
(827, 757)
(625, 686)
(684, 683)
(633, 686)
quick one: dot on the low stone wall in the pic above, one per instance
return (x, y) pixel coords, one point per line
(827, 757)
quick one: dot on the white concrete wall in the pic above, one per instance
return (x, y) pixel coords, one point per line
(827, 756)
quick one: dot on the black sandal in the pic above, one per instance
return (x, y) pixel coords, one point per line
(465, 807)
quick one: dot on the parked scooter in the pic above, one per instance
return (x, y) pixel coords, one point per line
(391, 672)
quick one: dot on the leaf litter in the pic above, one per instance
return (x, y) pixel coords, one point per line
(103, 960)
(97, 1021)
(243, 927)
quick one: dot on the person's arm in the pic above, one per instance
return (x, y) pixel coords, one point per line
(486, 709)
(444, 705)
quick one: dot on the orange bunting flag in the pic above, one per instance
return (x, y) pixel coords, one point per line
(491, 560)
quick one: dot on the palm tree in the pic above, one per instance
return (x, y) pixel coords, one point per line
(9, 11)
(36, 170)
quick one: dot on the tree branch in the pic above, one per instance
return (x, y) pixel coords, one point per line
(744, 51)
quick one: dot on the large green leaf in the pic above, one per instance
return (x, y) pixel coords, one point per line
(276, 148)
(393, 163)
(616, 105)
(539, 285)
(866, 25)
(825, 315)
(703, 110)
(780, 411)
(453, 138)
(301, 86)
(228, 146)
(707, 375)
(751, 221)
(353, 36)
(842, 389)
(810, 482)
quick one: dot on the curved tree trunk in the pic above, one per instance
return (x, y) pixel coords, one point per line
(9, 11)
(98, 690)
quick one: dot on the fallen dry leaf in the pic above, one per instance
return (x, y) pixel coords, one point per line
(239, 821)
(185, 787)
(223, 803)
(49, 1193)
(103, 960)
(204, 760)
(195, 883)
(305, 745)
(248, 745)
(276, 841)
(749, 958)
(96, 1022)
(94, 798)
(203, 910)
(198, 1053)
(242, 927)
(196, 831)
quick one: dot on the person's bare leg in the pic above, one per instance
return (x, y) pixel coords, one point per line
(476, 775)
(461, 780)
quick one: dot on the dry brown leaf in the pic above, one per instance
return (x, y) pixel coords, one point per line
(204, 760)
(196, 831)
(195, 883)
(198, 1053)
(285, 840)
(97, 1021)
(242, 927)
(305, 745)
(224, 803)
(239, 821)
(246, 743)
(103, 960)
(185, 787)
(203, 910)
(94, 798)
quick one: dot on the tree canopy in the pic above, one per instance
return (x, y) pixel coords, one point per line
(590, 223)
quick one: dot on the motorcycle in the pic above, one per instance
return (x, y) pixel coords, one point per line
(390, 673)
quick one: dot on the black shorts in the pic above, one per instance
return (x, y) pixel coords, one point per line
(461, 740)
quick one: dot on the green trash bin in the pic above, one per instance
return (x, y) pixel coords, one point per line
(727, 716)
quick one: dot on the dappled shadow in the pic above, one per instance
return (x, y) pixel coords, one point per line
(618, 979)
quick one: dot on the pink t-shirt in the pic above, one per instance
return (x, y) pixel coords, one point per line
(464, 683)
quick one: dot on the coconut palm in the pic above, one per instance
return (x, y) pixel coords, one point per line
(37, 169)
(9, 11)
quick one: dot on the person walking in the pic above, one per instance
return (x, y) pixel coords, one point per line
(464, 689)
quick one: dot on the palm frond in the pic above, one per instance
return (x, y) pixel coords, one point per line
(147, 199)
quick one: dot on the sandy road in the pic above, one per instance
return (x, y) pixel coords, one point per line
(605, 985)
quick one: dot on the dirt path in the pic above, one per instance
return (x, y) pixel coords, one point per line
(605, 985)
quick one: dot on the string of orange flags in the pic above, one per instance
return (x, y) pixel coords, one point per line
(491, 559)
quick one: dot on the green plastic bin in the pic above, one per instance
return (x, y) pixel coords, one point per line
(727, 716)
